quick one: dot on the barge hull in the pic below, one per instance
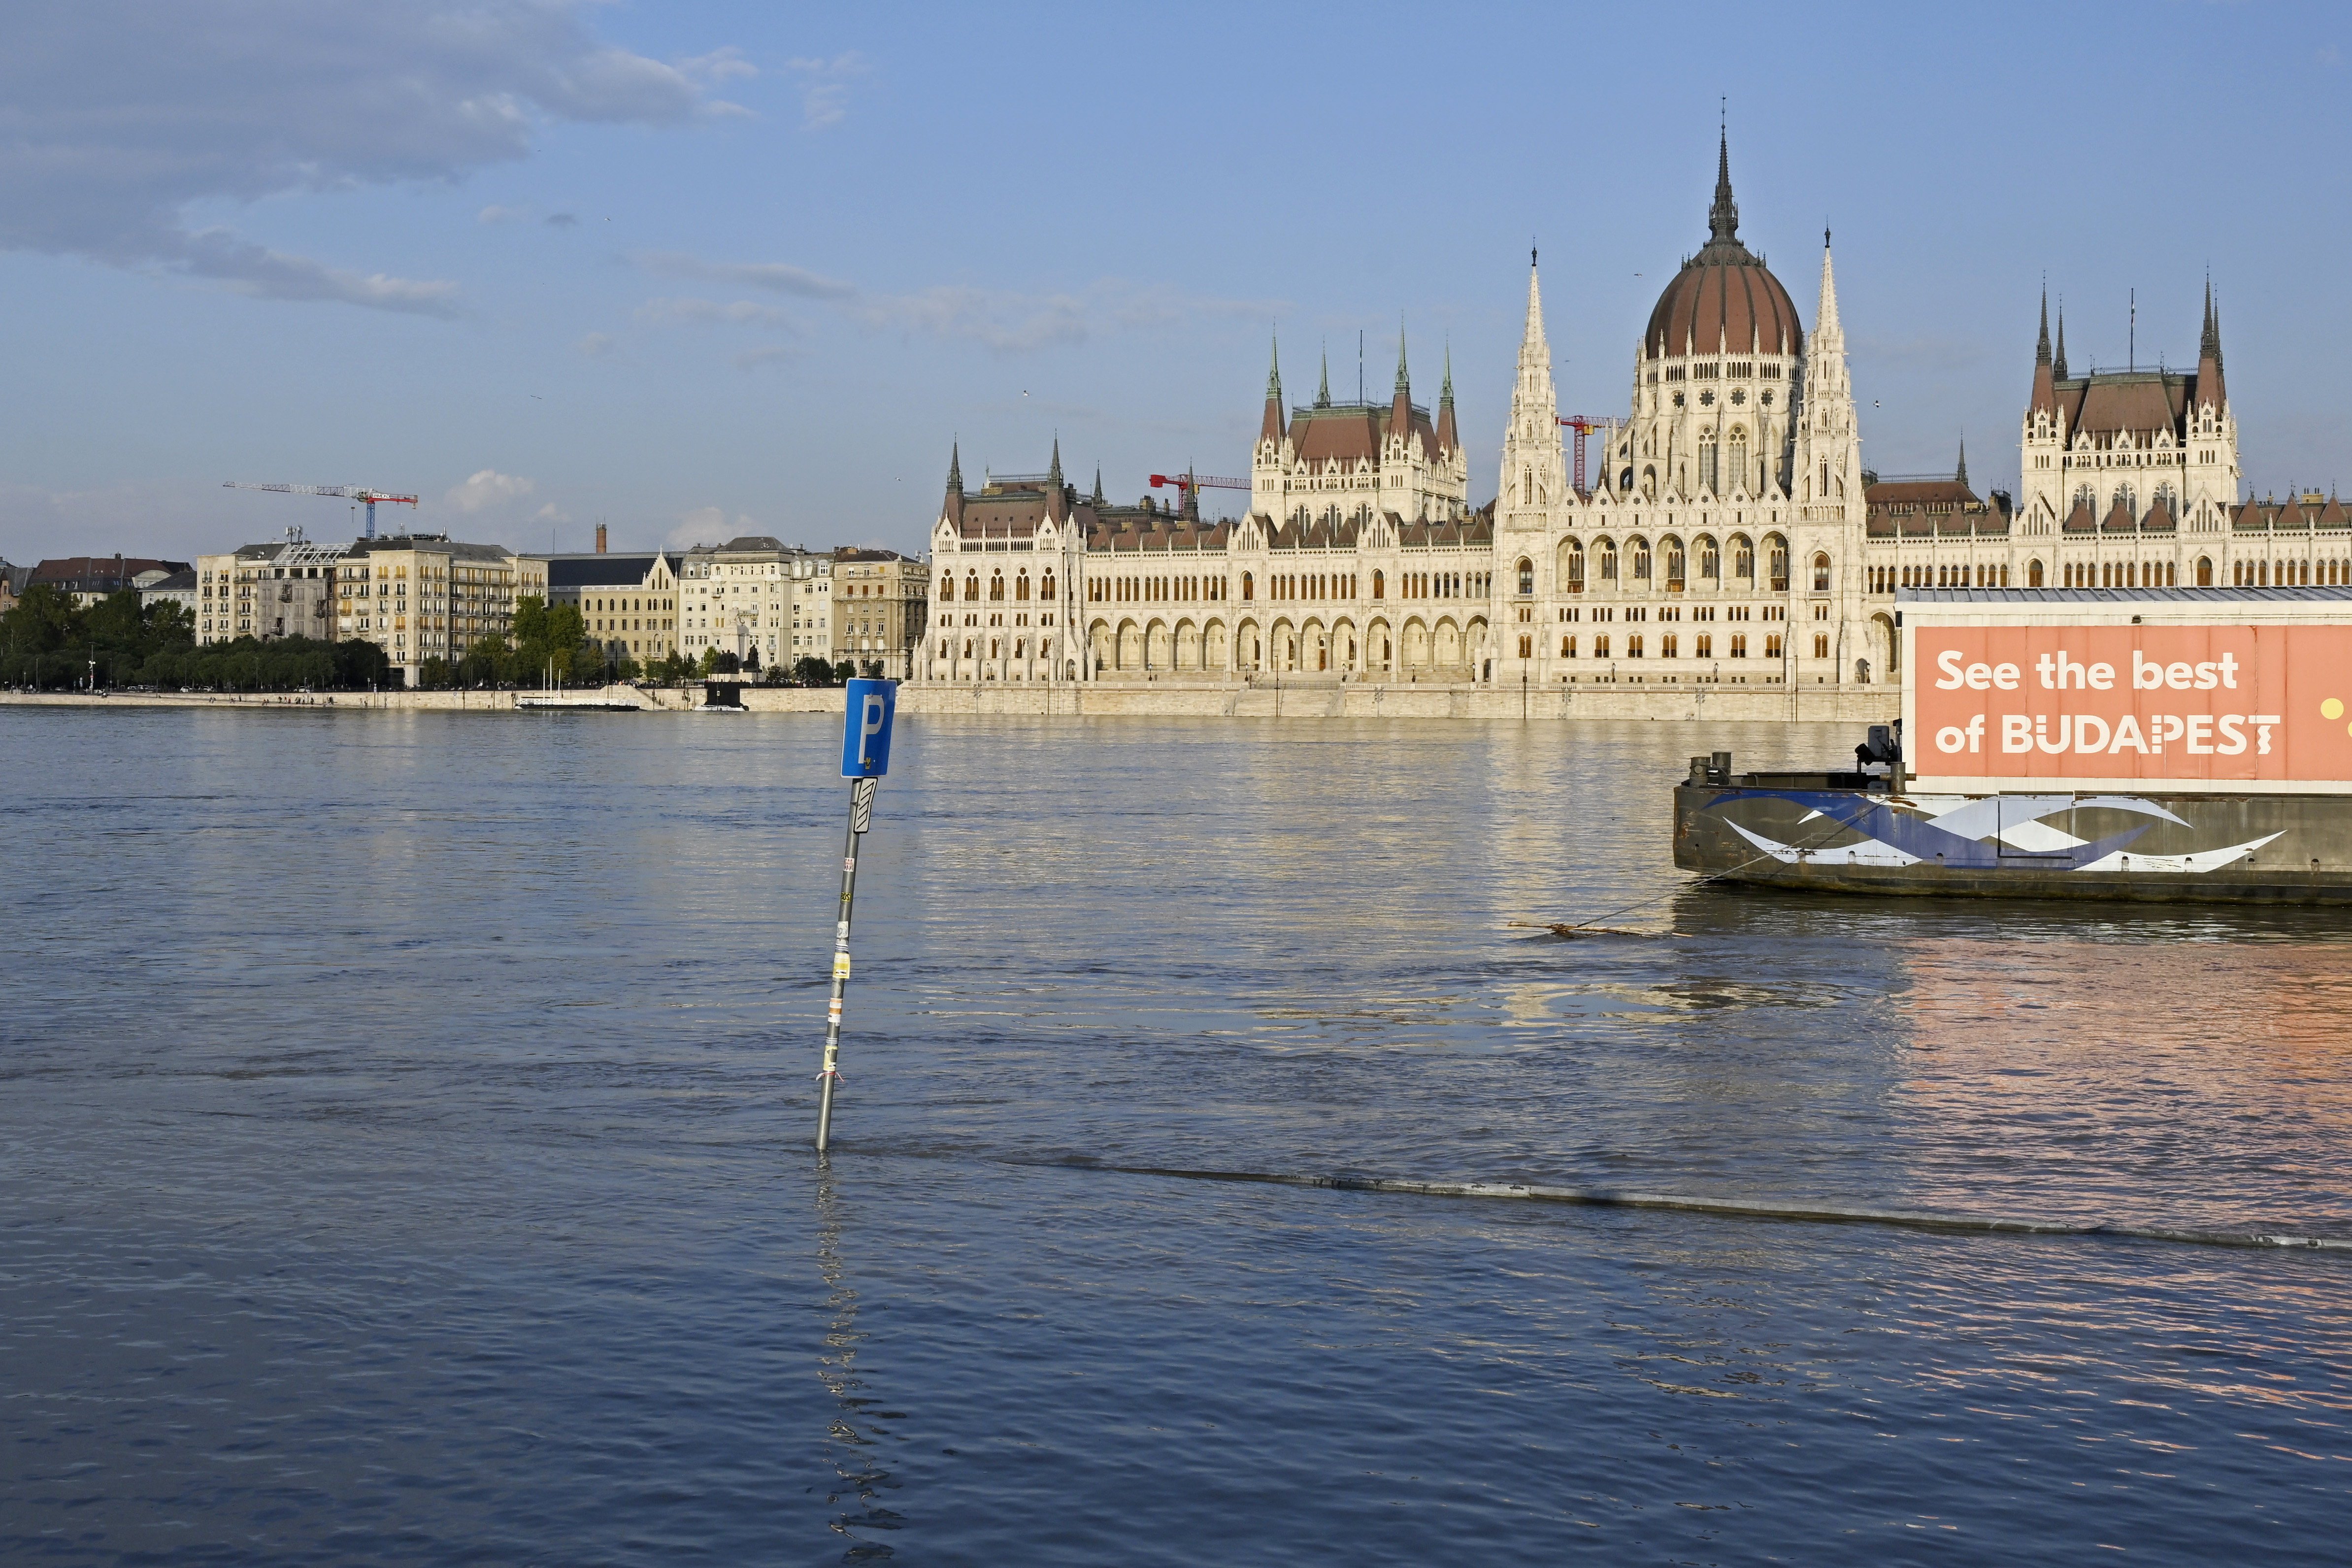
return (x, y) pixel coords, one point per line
(1823, 834)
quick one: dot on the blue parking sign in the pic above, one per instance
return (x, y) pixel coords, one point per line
(866, 729)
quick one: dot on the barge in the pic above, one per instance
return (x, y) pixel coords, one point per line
(2157, 745)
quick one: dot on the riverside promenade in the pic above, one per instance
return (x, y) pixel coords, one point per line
(1203, 699)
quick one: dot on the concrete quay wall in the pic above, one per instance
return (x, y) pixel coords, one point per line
(1869, 705)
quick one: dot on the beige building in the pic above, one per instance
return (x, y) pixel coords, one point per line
(424, 595)
(267, 592)
(879, 603)
(757, 598)
(627, 602)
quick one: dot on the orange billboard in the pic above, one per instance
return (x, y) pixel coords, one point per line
(2266, 706)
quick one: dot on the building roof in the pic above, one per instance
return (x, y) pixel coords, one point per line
(607, 570)
(1724, 298)
(178, 581)
(99, 574)
(440, 543)
(2110, 595)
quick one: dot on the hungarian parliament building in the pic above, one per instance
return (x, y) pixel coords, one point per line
(1729, 534)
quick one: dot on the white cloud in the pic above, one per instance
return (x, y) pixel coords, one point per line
(119, 116)
(500, 215)
(488, 488)
(740, 312)
(825, 88)
(1001, 321)
(709, 525)
(775, 276)
(726, 64)
(597, 344)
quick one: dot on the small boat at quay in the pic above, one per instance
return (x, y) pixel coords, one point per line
(2158, 745)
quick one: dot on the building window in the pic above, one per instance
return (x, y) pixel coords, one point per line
(1527, 575)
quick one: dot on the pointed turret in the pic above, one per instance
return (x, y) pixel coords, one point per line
(1323, 392)
(1828, 457)
(2059, 368)
(1722, 217)
(955, 483)
(1534, 473)
(1097, 497)
(1401, 405)
(2209, 388)
(1960, 474)
(2045, 394)
(1057, 494)
(1270, 426)
(1448, 439)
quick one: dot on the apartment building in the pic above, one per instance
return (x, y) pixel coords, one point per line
(285, 589)
(878, 610)
(627, 602)
(757, 598)
(425, 595)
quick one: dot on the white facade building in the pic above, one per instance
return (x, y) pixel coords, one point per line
(1732, 534)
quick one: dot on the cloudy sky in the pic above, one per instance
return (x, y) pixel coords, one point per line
(702, 268)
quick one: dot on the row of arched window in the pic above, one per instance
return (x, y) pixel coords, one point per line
(996, 587)
(1640, 565)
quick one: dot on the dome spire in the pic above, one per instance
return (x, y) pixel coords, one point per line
(1323, 392)
(1722, 217)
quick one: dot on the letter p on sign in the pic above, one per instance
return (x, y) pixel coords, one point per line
(866, 729)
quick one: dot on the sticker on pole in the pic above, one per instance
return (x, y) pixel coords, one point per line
(866, 729)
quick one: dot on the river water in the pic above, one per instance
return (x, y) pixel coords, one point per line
(404, 1156)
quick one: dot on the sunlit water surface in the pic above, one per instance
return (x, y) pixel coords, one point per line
(404, 1141)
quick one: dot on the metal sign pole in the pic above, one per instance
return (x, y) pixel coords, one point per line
(869, 706)
(861, 818)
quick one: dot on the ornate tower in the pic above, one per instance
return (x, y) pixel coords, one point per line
(1534, 474)
(1826, 630)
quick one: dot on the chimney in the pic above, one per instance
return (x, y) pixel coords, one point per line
(600, 539)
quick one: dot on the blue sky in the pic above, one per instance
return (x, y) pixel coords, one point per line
(698, 270)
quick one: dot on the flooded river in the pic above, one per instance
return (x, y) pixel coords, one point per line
(404, 1141)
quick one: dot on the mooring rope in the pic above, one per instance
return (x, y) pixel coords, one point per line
(1749, 1208)
(1594, 928)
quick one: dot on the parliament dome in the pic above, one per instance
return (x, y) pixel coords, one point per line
(1725, 299)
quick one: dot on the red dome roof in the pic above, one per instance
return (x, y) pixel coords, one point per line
(1724, 298)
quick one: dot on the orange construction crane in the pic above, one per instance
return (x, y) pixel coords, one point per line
(1583, 425)
(349, 492)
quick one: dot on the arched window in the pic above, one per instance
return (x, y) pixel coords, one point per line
(1821, 573)
(1710, 559)
(1527, 575)
(1575, 567)
(971, 586)
(1777, 560)
(947, 587)
(2033, 573)
(1677, 569)
(1706, 470)
(2086, 497)
(1739, 475)
(1021, 587)
(996, 584)
(2127, 500)
(1379, 584)
(1640, 548)
(1249, 585)
(1045, 588)
(1607, 550)
(1743, 558)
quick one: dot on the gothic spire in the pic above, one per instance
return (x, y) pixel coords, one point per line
(1403, 382)
(1722, 217)
(1323, 392)
(1445, 391)
(1531, 340)
(1449, 440)
(2042, 350)
(1097, 497)
(1960, 477)
(2210, 389)
(2208, 346)
(1053, 474)
(2059, 369)
(2045, 394)
(1270, 426)
(955, 467)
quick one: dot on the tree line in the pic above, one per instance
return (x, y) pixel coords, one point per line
(49, 643)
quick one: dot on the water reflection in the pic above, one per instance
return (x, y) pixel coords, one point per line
(858, 1430)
